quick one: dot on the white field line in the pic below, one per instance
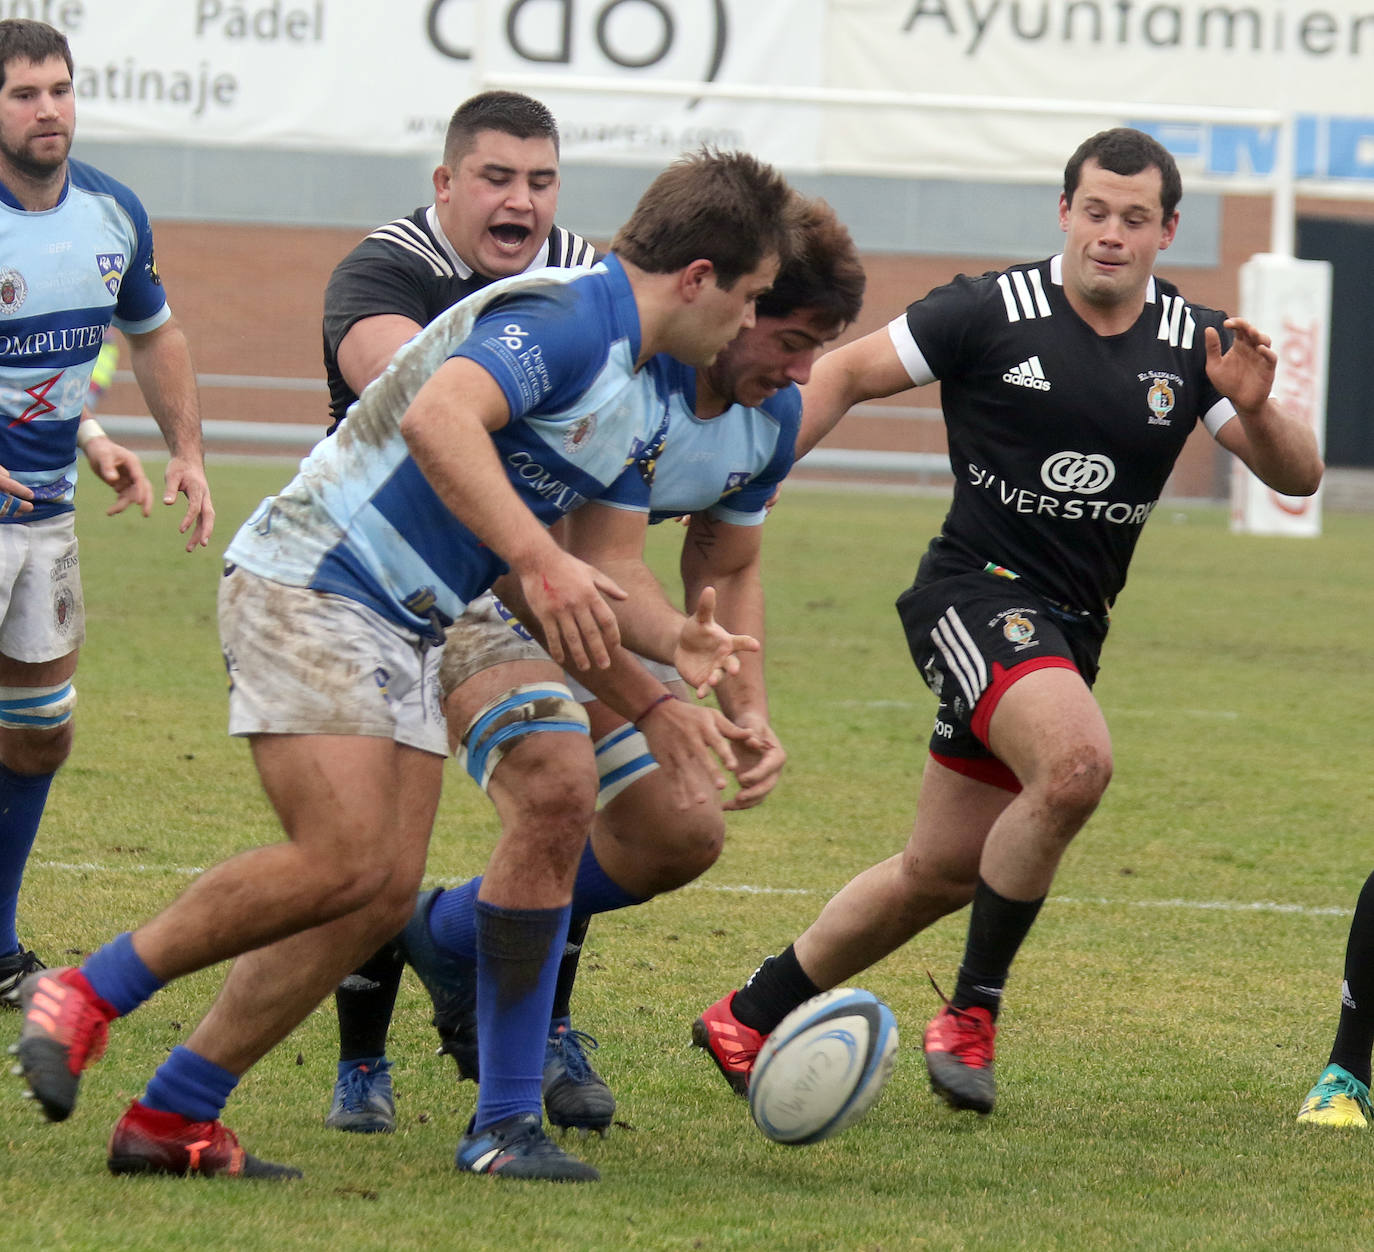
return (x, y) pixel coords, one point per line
(1104, 902)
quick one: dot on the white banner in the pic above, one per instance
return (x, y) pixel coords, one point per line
(1313, 60)
(374, 76)
(384, 75)
(1290, 301)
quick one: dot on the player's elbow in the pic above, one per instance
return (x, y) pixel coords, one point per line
(1310, 478)
(1294, 478)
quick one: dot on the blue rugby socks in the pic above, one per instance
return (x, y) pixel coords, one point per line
(518, 953)
(190, 1086)
(118, 975)
(22, 799)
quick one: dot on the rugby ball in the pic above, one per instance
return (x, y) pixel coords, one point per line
(823, 1067)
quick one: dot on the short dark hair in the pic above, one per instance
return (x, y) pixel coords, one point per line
(823, 272)
(509, 112)
(24, 40)
(1126, 151)
(728, 208)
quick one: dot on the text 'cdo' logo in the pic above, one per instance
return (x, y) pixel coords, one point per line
(681, 38)
(1079, 473)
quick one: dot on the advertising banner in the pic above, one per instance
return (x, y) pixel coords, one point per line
(1311, 59)
(383, 77)
(370, 77)
(1291, 299)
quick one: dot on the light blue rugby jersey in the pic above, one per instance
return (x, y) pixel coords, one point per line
(728, 466)
(66, 273)
(362, 521)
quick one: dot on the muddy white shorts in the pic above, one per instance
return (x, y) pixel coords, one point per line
(305, 662)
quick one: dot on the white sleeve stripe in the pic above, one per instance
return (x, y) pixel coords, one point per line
(1018, 279)
(438, 263)
(911, 357)
(401, 224)
(1004, 285)
(1165, 314)
(1041, 303)
(403, 230)
(574, 252)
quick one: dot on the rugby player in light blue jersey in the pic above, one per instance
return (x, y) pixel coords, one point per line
(76, 257)
(730, 441)
(523, 402)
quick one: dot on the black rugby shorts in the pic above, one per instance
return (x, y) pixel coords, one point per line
(972, 636)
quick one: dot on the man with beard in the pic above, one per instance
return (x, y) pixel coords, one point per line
(78, 258)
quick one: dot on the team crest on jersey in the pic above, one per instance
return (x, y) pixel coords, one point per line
(644, 456)
(577, 436)
(735, 481)
(111, 270)
(13, 291)
(1160, 397)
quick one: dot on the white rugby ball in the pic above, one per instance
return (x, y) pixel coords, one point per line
(823, 1067)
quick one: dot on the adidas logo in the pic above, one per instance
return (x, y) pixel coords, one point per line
(1028, 374)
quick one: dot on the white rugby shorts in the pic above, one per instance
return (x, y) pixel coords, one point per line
(305, 662)
(42, 612)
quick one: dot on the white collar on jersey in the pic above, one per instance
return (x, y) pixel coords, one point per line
(1057, 277)
(464, 270)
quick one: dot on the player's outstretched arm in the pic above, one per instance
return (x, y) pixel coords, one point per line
(1278, 447)
(866, 369)
(161, 361)
(612, 540)
(728, 557)
(448, 431)
(366, 350)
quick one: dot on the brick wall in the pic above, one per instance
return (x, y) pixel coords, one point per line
(250, 300)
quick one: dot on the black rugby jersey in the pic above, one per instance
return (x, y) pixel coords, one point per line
(409, 269)
(1060, 439)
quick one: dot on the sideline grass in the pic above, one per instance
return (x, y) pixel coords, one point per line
(1161, 1025)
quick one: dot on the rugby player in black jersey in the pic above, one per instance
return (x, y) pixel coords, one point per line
(1068, 387)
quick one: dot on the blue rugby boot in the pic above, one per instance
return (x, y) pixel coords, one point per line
(576, 1097)
(363, 1102)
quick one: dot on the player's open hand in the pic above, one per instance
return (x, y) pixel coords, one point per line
(123, 471)
(706, 651)
(568, 597)
(183, 477)
(1244, 373)
(15, 498)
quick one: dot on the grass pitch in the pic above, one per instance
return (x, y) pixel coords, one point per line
(1171, 1008)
